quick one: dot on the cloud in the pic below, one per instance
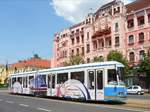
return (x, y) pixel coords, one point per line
(76, 10)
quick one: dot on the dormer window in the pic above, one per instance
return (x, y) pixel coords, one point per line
(117, 10)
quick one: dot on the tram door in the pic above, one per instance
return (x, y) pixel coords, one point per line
(96, 84)
(51, 84)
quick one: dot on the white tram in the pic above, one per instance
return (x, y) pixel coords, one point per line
(101, 81)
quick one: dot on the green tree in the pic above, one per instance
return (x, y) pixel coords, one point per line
(74, 60)
(115, 55)
(36, 56)
(145, 68)
(98, 59)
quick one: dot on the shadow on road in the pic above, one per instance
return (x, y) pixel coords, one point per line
(75, 100)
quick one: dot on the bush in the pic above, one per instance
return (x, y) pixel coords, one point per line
(3, 85)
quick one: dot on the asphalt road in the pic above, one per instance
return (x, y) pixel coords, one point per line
(16, 103)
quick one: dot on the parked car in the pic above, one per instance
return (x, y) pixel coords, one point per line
(135, 89)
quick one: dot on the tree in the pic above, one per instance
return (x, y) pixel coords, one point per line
(98, 59)
(115, 55)
(36, 56)
(145, 67)
(74, 60)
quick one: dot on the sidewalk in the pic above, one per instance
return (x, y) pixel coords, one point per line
(4, 90)
(138, 103)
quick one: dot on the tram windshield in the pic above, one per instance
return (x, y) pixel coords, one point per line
(115, 77)
(112, 77)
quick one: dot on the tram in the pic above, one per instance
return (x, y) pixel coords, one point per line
(100, 81)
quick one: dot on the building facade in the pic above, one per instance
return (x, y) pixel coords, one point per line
(23, 66)
(114, 26)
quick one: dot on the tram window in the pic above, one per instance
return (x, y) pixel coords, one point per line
(99, 79)
(49, 81)
(19, 79)
(30, 78)
(112, 77)
(13, 80)
(91, 80)
(44, 78)
(53, 81)
(78, 76)
(9, 82)
(25, 82)
(62, 77)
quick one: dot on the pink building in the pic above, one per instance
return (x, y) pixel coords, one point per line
(137, 30)
(114, 26)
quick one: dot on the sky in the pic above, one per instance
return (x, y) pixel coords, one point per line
(27, 27)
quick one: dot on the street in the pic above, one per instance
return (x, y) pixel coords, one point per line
(17, 103)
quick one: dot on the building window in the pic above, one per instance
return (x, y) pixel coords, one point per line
(131, 57)
(87, 35)
(77, 51)
(117, 43)
(100, 43)
(116, 27)
(141, 55)
(130, 23)
(131, 40)
(94, 45)
(82, 50)
(117, 10)
(77, 30)
(82, 38)
(78, 39)
(141, 37)
(72, 41)
(108, 42)
(88, 48)
(88, 60)
(148, 18)
(140, 20)
(72, 52)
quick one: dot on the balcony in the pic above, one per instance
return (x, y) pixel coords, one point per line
(82, 32)
(141, 40)
(100, 33)
(131, 43)
(117, 44)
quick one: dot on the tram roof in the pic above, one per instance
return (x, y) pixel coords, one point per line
(96, 64)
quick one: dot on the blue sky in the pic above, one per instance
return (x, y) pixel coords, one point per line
(27, 26)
